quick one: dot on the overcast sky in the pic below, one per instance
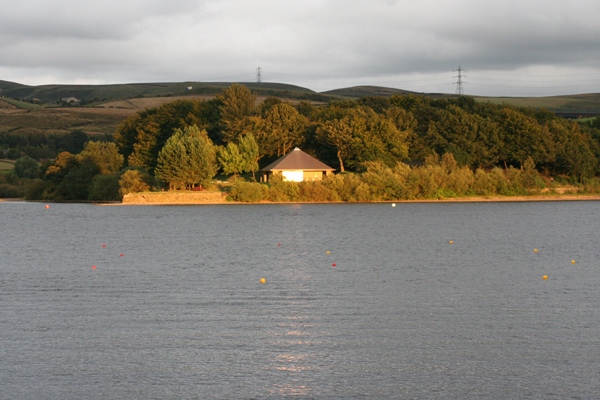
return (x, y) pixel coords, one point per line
(506, 47)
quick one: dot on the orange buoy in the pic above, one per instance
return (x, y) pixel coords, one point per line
(93, 267)
(451, 242)
(545, 277)
(572, 261)
(47, 206)
(535, 250)
(263, 280)
(328, 252)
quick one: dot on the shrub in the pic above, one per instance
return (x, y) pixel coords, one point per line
(26, 167)
(40, 190)
(460, 181)
(363, 192)
(133, 181)
(105, 187)
(514, 185)
(483, 184)
(499, 180)
(8, 191)
(343, 185)
(423, 182)
(281, 190)
(383, 183)
(316, 191)
(249, 192)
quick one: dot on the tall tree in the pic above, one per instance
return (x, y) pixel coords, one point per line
(231, 160)
(250, 153)
(187, 159)
(237, 103)
(105, 155)
(524, 137)
(281, 129)
(26, 167)
(337, 133)
(141, 137)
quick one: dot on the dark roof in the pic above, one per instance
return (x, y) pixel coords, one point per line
(299, 160)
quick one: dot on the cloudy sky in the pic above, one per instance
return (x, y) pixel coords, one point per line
(505, 47)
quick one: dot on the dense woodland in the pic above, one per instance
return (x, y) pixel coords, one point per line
(400, 147)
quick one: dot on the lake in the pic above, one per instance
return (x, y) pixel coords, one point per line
(421, 300)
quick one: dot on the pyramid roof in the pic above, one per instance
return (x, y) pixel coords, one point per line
(297, 160)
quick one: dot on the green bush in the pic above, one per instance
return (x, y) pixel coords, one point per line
(423, 182)
(105, 187)
(344, 185)
(26, 167)
(514, 185)
(382, 182)
(134, 181)
(445, 194)
(249, 192)
(40, 190)
(316, 191)
(281, 190)
(8, 191)
(483, 185)
(460, 181)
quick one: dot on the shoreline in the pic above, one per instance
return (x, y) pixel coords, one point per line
(474, 199)
(478, 199)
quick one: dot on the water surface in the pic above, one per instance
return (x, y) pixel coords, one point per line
(403, 314)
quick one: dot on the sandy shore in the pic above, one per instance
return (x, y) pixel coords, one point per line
(182, 198)
(199, 198)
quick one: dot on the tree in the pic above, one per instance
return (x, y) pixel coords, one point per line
(231, 160)
(105, 187)
(63, 164)
(524, 137)
(337, 133)
(473, 140)
(77, 182)
(26, 167)
(574, 155)
(281, 129)
(104, 155)
(238, 103)
(133, 181)
(142, 136)
(187, 159)
(250, 153)
(72, 142)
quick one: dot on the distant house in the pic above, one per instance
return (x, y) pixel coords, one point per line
(70, 100)
(297, 166)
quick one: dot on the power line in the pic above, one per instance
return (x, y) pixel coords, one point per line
(258, 76)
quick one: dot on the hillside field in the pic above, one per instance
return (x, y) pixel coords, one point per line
(36, 109)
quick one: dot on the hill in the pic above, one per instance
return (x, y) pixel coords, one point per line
(93, 94)
(363, 91)
(33, 109)
(571, 106)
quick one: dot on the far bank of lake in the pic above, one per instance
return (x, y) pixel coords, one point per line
(192, 197)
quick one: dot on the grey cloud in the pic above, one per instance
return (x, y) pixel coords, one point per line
(309, 41)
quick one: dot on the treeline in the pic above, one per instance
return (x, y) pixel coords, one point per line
(93, 174)
(42, 146)
(402, 147)
(346, 134)
(437, 178)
